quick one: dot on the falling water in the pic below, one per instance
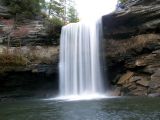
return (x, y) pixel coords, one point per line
(80, 60)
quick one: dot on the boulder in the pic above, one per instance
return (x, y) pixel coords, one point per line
(131, 86)
(155, 80)
(143, 82)
(139, 91)
(151, 69)
(125, 78)
(135, 78)
(116, 92)
(140, 62)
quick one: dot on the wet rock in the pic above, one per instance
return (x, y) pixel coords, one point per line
(131, 86)
(154, 84)
(152, 68)
(133, 42)
(143, 82)
(116, 92)
(156, 74)
(139, 91)
(154, 95)
(135, 78)
(125, 78)
(155, 80)
(140, 62)
(146, 60)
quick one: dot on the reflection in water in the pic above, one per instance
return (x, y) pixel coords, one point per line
(105, 109)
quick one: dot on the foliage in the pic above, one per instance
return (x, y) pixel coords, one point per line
(123, 1)
(56, 9)
(72, 15)
(63, 10)
(29, 8)
(56, 18)
(54, 26)
(56, 14)
(56, 22)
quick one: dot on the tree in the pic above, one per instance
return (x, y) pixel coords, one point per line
(72, 15)
(122, 1)
(63, 10)
(27, 8)
(56, 9)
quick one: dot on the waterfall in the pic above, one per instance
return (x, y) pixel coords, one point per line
(80, 59)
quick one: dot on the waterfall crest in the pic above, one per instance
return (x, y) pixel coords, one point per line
(80, 59)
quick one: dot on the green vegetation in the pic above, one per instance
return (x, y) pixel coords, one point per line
(123, 1)
(72, 15)
(60, 12)
(27, 8)
(60, 9)
(56, 9)
(63, 10)
(55, 13)
(54, 28)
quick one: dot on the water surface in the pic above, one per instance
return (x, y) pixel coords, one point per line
(104, 109)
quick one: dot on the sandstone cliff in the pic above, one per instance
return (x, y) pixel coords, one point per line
(28, 57)
(133, 48)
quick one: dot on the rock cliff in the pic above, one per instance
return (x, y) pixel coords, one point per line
(133, 48)
(132, 52)
(28, 58)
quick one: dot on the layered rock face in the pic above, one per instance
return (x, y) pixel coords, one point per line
(28, 71)
(133, 48)
(26, 32)
(28, 58)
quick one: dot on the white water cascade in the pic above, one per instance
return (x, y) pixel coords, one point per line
(80, 61)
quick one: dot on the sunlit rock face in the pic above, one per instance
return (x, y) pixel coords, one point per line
(132, 45)
(80, 60)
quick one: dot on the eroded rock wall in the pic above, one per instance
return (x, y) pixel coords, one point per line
(132, 45)
(28, 58)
